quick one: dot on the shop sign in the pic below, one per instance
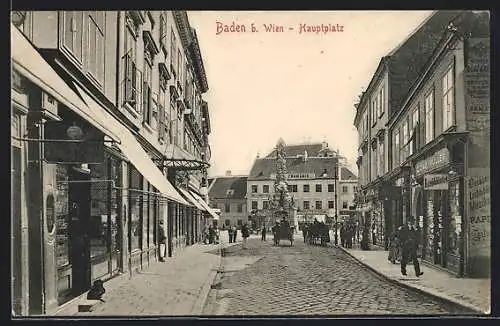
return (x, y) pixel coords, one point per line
(437, 160)
(436, 182)
(75, 143)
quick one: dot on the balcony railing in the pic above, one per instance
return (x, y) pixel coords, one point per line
(132, 85)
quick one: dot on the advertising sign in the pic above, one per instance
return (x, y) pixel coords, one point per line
(435, 182)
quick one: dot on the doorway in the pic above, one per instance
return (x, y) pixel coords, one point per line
(79, 201)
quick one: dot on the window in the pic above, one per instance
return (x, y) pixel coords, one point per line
(318, 188)
(404, 141)
(254, 189)
(319, 204)
(239, 222)
(265, 204)
(305, 188)
(381, 101)
(374, 112)
(173, 56)
(414, 130)
(147, 92)
(95, 57)
(355, 189)
(131, 92)
(345, 189)
(293, 188)
(73, 33)
(331, 187)
(306, 204)
(227, 207)
(179, 64)
(23, 21)
(448, 99)
(265, 189)
(331, 204)
(163, 33)
(380, 158)
(239, 208)
(254, 204)
(162, 115)
(429, 117)
(374, 162)
(344, 205)
(396, 149)
(227, 222)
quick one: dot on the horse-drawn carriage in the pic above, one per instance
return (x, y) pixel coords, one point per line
(282, 231)
(316, 232)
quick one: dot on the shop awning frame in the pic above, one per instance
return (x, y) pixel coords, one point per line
(205, 206)
(29, 63)
(190, 198)
(134, 151)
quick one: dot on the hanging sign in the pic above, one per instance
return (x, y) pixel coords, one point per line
(436, 182)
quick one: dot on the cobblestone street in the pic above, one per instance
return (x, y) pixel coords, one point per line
(308, 280)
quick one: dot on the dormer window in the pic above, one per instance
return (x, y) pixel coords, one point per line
(230, 192)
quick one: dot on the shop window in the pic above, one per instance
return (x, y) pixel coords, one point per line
(455, 219)
(62, 216)
(135, 208)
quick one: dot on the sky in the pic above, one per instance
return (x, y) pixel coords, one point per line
(295, 84)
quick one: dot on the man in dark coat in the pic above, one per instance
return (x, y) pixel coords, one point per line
(408, 236)
(263, 232)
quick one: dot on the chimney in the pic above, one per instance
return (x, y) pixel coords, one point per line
(305, 155)
(228, 173)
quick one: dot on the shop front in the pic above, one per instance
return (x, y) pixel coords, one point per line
(375, 220)
(437, 203)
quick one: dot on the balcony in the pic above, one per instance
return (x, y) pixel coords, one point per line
(132, 86)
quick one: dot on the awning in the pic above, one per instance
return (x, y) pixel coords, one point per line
(190, 198)
(134, 151)
(205, 206)
(28, 62)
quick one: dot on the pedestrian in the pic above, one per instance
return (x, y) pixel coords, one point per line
(230, 234)
(211, 235)
(263, 233)
(408, 236)
(245, 234)
(161, 241)
(374, 234)
(235, 233)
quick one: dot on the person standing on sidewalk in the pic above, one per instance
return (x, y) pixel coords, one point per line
(408, 236)
(230, 234)
(245, 234)
(161, 241)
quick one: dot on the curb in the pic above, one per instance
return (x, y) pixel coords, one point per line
(200, 303)
(442, 298)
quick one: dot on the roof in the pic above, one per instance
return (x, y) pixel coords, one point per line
(220, 185)
(346, 174)
(407, 61)
(263, 167)
(312, 149)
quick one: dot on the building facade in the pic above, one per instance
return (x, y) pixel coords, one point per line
(348, 187)
(443, 129)
(312, 179)
(110, 139)
(228, 194)
(378, 203)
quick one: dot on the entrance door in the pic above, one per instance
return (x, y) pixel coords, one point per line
(79, 201)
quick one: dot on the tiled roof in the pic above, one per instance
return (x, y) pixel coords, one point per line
(346, 174)
(221, 185)
(264, 167)
(294, 150)
(408, 59)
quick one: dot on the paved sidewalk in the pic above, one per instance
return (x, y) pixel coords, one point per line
(472, 293)
(176, 287)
